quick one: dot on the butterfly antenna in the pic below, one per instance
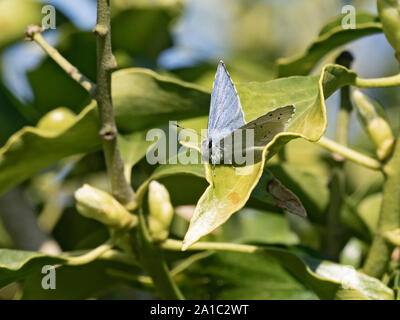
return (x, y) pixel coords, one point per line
(180, 127)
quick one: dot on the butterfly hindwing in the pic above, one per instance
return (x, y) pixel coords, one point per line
(265, 129)
(270, 124)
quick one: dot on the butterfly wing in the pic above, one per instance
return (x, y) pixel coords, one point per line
(265, 128)
(270, 124)
(226, 114)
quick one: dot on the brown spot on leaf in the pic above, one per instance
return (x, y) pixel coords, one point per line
(234, 197)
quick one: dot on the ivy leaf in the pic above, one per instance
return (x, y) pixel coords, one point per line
(229, 192)
(331, 37)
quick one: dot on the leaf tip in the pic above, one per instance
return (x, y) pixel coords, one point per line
(191, 237)
(185, 245)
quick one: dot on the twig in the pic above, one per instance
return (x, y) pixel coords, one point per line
(333, 237)
(91, 255)
(34, 33)
(189, 261)
(175, 245)
(106, 63)
(152, 261)
(349, 154)
(144, 280)
(389, 218)
(379, 82)
(342, 127)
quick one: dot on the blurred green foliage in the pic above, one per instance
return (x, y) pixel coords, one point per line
(51, 147)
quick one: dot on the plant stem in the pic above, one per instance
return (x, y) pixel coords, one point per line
(333, 243)
(152, 261)
(389, 218)
(144, 280)
(189, 261)
(343, 121)
(91, 255)
(379, 82)
(106, 63)
(118, 256)
(175, 245)
(34, 33)
(349, 154)
(333, 237)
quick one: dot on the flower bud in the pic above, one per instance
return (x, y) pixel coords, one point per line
(161, 211)
(389, 14)
(377, 127)
(56, 120)
(101, 206)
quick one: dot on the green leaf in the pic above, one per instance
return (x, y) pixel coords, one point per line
(352, 220)
(81, 282)
(331, 37)
(32, 149)
(230, 275)
(330, 280)
(10, 119)
(261, 194)
(229, 192)
(368, 209)
(227, 275)
(92, 279)
(79, 48)
(12, 24)
(16, 264)
(134, 23)
(133, 147)
(142, 100)
(252, 225)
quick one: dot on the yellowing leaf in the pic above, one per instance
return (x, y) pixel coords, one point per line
(229, 192)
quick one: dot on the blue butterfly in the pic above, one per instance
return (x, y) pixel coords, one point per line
(226, 116)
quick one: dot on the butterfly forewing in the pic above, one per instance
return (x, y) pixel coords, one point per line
(226, 114)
